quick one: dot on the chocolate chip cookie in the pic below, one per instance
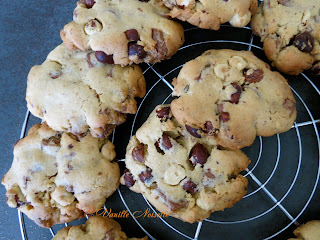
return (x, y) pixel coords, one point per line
(290, 32)
(182, 176)
(210, 14)
(232, 96)
(308, 231)
(72, 91)
(96, 228)
(123, 32)
(56, 177)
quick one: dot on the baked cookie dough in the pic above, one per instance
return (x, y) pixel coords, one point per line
(290, 32)
(185, 177)
(210, 14)
(124, 31)
(308, 231)
(56, 177)
(74, 92)
(96, 228)
(232, 97)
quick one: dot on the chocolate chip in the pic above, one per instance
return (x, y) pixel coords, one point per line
(52, 141)
(199, 154)
(209, 129)
(254, 77)
(190, 187)
(193, 131)
(236, 96)
(163, 113)
(166, 143)
(104, 58)
(144, 0)
(157, 35)
(136, 49)
(146, 175)
(128, 178)
(88, 3)
(316, 68)
(138, 153)
(304, 42)
(132, 35)
(70, 146)
(224, 117)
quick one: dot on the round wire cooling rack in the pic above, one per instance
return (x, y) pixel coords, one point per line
(283, 175)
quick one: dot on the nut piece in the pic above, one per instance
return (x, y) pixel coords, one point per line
(174, 175)
(238, 62)
(221, 70)
(92, 27)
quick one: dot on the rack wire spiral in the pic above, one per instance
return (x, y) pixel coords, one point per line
(279, 164)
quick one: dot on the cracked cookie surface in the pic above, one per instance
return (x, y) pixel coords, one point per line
(124, 31)
(182, 176)
(56, 177)
(290, 32)
(232, 97)
(96, 228)
(210, 14)
(74, 92)
(308, 231)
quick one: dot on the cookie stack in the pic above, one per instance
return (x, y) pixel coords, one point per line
(189, 165)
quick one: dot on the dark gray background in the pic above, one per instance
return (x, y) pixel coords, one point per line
(29, 30)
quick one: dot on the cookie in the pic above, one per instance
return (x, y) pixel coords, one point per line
(74, 92)
(96, 228)
(56, 177)
(124, 32)
(232, 97)
(308, 231)
(290, 32)
(210, 14)
(184, 177)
